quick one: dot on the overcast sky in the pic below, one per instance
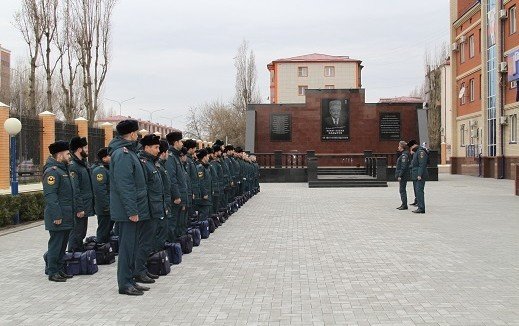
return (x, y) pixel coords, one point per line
(176, 54)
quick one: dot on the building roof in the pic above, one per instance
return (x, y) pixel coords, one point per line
(117, 118)
(402, 99)
(317, 57)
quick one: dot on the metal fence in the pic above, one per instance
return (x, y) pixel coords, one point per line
(28, 154)
(65, 131)
(96, 140)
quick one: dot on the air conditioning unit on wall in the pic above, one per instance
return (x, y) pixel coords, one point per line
(503, 14)
(454, 46)
(503, 120)
(463, 39)
(503, 67)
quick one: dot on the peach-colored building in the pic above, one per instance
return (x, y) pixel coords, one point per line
(5, 75)
(290, 77)
(151, 127)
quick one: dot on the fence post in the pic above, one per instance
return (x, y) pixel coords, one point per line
(312, 168)
(109, 132)
(48, 135)
(4, 148)
(277, 159)
(82, 127)
(381, 168)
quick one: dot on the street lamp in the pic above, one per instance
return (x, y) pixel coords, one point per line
(13, 126)
(151, 112)
(120, 103)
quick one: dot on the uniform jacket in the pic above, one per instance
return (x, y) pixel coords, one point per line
(154, 185)
(227, 178)
(80, 171)
(203, 172)
(101, 185)
(191, 171)
(216, 177)
(177, 176)
(419, 164)
(166, 183)
(402, 166)
(128, 191)
(58, 192)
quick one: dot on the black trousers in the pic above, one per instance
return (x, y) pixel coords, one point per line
(403, 191)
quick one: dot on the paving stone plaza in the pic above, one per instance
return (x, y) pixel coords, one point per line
(299, 256)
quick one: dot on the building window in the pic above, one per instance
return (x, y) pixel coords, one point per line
(471, 46)
(513, 20)
(329, 86)
(513, 84)
(462, 135)
(513, 128)
(462, 91)
(302, 71)
(472, 90)
(462, 52)
(301, 90)
(329, 71)
(480, 88)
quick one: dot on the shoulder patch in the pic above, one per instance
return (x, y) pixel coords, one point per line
(51, 180)
(72, 174)
(404, 158)
(201, 174)
(422, 154)
(100, 177)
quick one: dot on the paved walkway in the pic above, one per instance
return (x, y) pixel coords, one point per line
(295, 255)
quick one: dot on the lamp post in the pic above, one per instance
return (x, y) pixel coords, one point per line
(13, 126)
(151, 112)
(120, 103)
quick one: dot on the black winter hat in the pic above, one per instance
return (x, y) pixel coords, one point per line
(201, 154)
(229, 148)
(102, 153)
(150, 140)
(239, 150)
(127, 126)
(411, 143)
(163, 146)
(183, 151)
(77, 142)
(59, 146)
(209, 150)
(173, 137)
(217, 148)
(218, 142)
(190, 143)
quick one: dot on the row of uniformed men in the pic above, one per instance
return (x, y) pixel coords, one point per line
(150, 188)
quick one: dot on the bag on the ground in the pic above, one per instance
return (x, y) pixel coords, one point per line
(104, 254)
(174, 252)
(195, 234)
(203, 226)
(212, 226)
(158, 263)
(81, 263)
(114, 243)
(186, 243)
(216, 221)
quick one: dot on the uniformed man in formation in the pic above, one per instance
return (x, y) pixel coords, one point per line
(149, 188)
(412, 164)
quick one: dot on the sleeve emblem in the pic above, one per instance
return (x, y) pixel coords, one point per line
(200, 174)
(100, 177)
(51, 180)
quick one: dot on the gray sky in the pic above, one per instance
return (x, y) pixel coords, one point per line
(177, 54)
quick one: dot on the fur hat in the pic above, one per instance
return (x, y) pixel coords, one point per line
(102, 153)
(411, 143)
(183, 151)
(173, 137)
(217, 148)
(218, 142)
(209, 150)
(239, 150)
(229, 148)
(59, 146)
(150, 140)
(190, 143)
(163, 146)
(77, 142)
(201, 154)
(127, 126)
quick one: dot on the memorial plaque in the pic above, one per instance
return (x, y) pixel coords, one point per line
(389, 126)
(335, 119)
(280, 127)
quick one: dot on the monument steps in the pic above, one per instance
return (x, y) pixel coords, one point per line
(347, 184)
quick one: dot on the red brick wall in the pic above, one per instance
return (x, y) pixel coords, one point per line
(306, 124)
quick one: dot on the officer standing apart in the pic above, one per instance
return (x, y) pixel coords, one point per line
(412, 148)
(128, 202)
(80, 173)
(59, 208)
(402, 172)
(177, 175)
(149, 156)
(419, 174)
(101, 185)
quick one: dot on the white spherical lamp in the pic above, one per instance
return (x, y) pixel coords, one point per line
(13, 126)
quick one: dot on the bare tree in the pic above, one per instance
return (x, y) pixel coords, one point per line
(92, 32)
(29, 22)
(49, 23)
(194, 125)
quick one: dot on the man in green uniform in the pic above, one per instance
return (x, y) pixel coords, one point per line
(229, 161)
(412, 148)
(80, 173)
(101, 185)
(177, 174)
(204, 198)
(162, 226)
(419, 174)
(149, 156)
(128, 202)
(190, 145)
(189, 203)
(58, 192)
(215, 184)
(402, 173)
(238, 154)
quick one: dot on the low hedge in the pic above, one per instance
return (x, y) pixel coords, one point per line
(29, 205)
